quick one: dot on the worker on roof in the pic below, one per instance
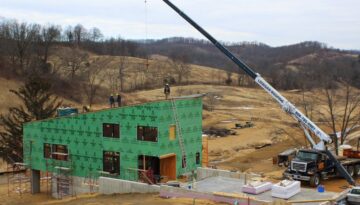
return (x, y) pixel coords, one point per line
(118, 99)
(86, 108)
(112, 101)
(167, 90)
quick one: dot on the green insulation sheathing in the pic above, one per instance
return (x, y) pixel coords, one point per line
(83, 135)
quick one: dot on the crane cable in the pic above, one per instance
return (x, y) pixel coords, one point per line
(146, 35)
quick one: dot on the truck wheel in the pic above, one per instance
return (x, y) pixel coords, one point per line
(350, 170)
(315, 180)
(357, 170)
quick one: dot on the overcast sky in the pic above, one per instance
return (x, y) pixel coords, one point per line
(274, 22)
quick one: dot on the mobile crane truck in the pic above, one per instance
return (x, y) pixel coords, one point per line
(309, 165)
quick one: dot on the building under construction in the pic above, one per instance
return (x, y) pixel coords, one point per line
(150, 142)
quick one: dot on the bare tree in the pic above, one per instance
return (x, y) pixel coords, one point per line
(95, 34)
(159, 73)
(112, 79)
(213, 76)
(140, 71)
(4, 36)
(219, 76)
(179, 64)
(342, 112)
(211, 100)
(228, 80)
(123, 63)
(241, 79)
(309, 104)
(80, 34)
(93, 79)
(24, 36)
(69, 34)
(73, 60)
(49, 34)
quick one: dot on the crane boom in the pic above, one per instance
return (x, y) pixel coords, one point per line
(286, 105)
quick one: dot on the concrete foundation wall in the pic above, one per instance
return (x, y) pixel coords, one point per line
(203, 173)
(79, 186)
(112, 186)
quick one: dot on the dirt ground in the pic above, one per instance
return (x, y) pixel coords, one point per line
(87, 199)
(272, 126)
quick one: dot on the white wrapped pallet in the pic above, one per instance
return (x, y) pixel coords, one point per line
(256, 187)
(285, 189)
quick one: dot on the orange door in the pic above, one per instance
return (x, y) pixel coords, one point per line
(168, 167)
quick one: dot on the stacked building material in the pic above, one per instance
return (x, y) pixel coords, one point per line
(285, 189)
(256, 187)
(66, 111)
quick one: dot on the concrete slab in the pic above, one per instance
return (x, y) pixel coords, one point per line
(232, 185)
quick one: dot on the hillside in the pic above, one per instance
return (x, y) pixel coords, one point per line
(303, 63)
(137, 77)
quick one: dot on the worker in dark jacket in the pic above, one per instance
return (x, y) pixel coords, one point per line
(167, 90)
(112, 101)
(118, 99)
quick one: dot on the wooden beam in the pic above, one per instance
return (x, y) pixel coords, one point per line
(144, 163)
(167, 156)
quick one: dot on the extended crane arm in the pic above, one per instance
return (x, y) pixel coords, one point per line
(284, 103)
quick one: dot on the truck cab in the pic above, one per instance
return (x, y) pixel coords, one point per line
(353, 197)
(309, 165)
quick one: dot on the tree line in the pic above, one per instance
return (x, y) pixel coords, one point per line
(308, 64)
(25, 48)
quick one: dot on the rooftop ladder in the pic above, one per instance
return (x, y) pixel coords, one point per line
(179, 134)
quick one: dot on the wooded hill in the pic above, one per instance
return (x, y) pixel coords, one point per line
(26, 47)
(306, 64)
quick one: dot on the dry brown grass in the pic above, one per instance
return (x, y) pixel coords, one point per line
(137, 71)
(7, 98)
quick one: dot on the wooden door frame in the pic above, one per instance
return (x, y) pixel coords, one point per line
(163, 158)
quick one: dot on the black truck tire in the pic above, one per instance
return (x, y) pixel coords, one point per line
(357, 170)
(315, 180)
(351, 170)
